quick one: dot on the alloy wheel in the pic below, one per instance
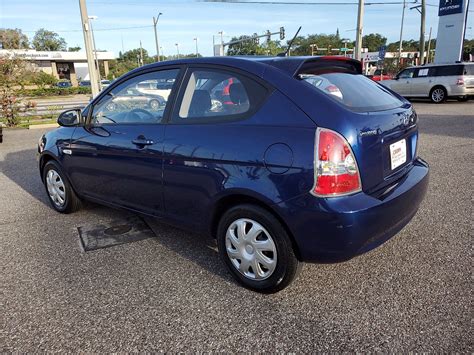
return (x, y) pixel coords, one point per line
(437, 95)
(56, 188)
(251, 249)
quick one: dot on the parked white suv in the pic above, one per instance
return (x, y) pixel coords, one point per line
(438, 82)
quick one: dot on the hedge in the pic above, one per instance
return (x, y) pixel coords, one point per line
(54, 91)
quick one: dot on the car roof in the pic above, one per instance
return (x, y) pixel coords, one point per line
(256, 64)
(438, 65)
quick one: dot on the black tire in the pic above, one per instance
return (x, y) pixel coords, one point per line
(438, 95)
(463, 98)
(287, 265)
(71, 202)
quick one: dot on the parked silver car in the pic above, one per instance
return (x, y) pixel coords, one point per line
(437, 82)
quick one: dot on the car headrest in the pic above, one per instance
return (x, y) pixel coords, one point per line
(238, 94)
(200, 103)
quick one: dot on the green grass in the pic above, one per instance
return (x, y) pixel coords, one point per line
(37, 120)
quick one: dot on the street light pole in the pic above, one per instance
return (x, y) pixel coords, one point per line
(155, 23)
(196, 41)
(360, 26)
(88, 47)
(94, 48)
(401, 33)
(222, 43)
(177, 48)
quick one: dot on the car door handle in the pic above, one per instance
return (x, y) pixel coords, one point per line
(142, 141)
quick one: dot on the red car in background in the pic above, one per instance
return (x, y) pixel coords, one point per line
(378, 76)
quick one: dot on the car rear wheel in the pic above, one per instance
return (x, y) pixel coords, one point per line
(60, 194)
(438, 95)
(257, 249)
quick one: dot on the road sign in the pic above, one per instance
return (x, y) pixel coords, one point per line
(382, 52)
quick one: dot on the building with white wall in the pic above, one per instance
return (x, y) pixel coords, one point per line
(63, 65)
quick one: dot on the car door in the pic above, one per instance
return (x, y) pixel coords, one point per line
(402, 84)
(117, 156)
(201, 156)
(422, 82)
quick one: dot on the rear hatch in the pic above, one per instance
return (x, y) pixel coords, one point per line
(380, 126)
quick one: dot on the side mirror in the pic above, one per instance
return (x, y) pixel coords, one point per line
(70, 118)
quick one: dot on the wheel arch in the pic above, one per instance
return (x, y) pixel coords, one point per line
(44, 159)
(225, 203)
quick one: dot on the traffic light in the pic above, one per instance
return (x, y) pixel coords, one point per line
(256, 40)
(282, 33)
(269, 36)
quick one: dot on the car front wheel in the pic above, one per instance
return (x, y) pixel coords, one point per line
(60, 193)
(257, 249)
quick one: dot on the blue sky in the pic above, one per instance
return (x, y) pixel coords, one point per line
(182, 20)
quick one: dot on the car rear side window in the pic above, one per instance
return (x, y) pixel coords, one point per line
(356, 92)
(449, 70)
(216, 95)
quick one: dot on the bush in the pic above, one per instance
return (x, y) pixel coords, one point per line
(42, 79)
(54, 91)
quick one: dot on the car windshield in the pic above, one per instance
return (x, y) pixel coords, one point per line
(356, 92)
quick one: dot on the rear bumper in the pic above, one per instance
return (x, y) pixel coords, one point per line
(337, 229)
(457, 90)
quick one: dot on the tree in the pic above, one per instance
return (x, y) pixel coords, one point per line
(374, 41)
(13, 39)
(252, 47)
(74, 49)
(45, 40)
(12, 70)
(302, 45)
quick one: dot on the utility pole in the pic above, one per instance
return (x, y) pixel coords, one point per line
(88, 46)
(360, 26)
(141, 53)
(196, 41)
(429, 47)
(155, 23)
(422, 32)
(400, 48)
(94, 49)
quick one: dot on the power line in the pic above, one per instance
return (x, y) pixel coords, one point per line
(100, 29)
(307, 3)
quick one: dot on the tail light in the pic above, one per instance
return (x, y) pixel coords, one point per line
(460, 82)
(335, 167)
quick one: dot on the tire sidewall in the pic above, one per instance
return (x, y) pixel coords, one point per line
(52, 165)
(279, 236)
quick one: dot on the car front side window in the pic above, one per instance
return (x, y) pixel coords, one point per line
(139, 100)
(406, 74)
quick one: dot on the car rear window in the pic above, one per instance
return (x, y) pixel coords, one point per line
(356, 92)
(469, 69)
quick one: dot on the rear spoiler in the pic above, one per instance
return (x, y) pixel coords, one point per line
(329, 64)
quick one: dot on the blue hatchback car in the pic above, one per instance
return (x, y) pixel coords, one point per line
(282, 159)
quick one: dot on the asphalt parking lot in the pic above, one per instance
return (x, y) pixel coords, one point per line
(171, 293)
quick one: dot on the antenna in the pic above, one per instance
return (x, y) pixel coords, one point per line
(285, 53)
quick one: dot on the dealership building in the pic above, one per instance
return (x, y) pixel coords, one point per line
(63, 65)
